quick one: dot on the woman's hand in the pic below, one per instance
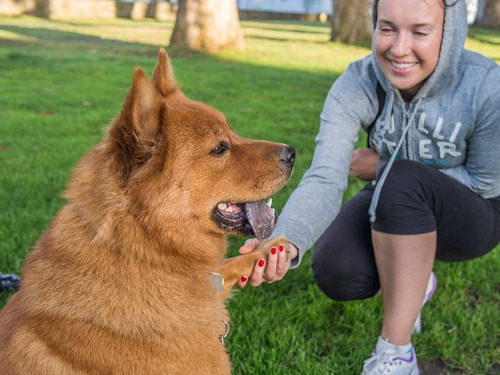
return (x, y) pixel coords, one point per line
(267, 270)
(364, 164)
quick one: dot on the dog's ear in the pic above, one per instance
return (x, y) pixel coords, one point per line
(135, 131)
(142, 108)
(163, 76)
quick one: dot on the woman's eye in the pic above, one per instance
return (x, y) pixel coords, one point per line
(420, 33)
(221, 148)
(386, 30)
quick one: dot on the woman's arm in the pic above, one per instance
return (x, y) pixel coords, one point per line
(481, 170)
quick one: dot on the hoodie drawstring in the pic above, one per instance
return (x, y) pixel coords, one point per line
(385, 172)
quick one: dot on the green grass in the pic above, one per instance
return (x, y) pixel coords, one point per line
(62, 82)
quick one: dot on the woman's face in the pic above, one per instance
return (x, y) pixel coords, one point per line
(407, 41)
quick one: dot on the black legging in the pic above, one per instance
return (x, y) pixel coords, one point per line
(414, 199)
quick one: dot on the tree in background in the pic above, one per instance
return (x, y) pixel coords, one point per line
(207, 25)
(488, 14)
(351, 21)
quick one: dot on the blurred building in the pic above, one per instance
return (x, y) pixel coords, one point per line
(303, 10)
(287, 6)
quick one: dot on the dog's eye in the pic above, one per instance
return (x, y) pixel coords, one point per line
(221, 149)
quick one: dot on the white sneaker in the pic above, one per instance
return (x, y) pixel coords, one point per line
(429, 292)
(389, 359)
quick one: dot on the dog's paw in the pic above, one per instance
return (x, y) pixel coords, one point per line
(231, 271)
(280, 243)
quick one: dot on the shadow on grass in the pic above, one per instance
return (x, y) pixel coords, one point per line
(43, 38)
(293, 27)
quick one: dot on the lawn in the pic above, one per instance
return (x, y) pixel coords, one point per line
(61, 83)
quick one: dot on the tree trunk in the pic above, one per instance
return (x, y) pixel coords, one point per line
(351, 21)
(489, 14)
(207, 25)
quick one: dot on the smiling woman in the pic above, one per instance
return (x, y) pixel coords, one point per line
(407, 40)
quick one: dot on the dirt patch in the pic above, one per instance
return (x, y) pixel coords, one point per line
(435, 368)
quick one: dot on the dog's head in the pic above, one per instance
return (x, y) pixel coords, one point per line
(179, 163)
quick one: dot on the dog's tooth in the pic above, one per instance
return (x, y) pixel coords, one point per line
(222, 206)
(270, 202)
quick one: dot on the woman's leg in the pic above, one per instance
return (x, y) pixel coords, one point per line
(404, 263)
(422, 215)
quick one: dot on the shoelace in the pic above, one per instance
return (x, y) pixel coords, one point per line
(384, 359)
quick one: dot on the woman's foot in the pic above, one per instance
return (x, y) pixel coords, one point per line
(391, 359)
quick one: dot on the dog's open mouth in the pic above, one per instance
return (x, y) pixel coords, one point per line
(255, 218)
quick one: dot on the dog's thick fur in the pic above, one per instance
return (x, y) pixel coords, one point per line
(120, 283)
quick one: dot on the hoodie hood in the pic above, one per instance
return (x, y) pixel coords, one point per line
(452, 46)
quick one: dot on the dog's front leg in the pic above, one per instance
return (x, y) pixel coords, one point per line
(234, 268)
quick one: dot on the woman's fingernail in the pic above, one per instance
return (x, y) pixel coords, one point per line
(261, 263)
(282, 248)
(273, 250)
(244, 279)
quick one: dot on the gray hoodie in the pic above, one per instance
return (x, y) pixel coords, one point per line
(452, 124)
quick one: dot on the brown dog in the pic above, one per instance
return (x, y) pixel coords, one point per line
(122, 281)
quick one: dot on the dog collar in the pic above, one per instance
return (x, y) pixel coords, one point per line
(218, 282)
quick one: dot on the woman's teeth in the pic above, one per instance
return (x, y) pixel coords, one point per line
(402, 65)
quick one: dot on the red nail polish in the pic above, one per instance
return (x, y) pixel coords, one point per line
(282, 248)
(261, 263)
(273, 250)
(244, 279)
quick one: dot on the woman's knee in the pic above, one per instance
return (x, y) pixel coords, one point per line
(341, 277)
(406, 200)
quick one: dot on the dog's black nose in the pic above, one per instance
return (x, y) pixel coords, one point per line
(287, 155)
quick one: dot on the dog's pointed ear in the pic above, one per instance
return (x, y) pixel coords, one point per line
(163, 76)
(134, 133)
(142, 106)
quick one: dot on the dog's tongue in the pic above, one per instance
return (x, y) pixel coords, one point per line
(262, 218)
